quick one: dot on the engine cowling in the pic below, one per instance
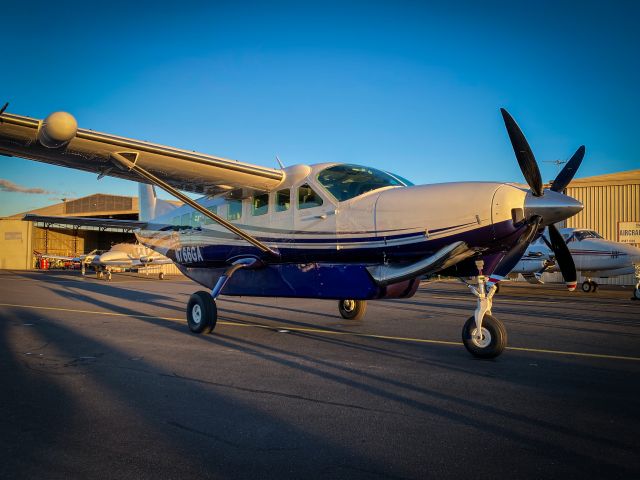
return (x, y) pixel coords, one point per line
(57, 130)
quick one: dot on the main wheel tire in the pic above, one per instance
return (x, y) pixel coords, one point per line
(586, 286)
(494, 337)
(202, 313)
(161, 276)
(594, 287)
(636, 293)
(352, 309)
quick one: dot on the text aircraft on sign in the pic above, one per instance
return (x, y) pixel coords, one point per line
(333, 230)
(593, 256)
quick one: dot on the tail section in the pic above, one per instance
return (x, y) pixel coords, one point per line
(149, 203)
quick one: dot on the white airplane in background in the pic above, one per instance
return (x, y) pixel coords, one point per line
(333, 230)
(120, 255)
(593, 257)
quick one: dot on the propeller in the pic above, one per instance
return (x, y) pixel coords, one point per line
(569, 170)
(562, 256)
(524, 155)
(541, 211)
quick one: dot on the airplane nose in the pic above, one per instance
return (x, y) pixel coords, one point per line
(553, 207)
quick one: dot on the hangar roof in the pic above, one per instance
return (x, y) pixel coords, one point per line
(96, 205)
(618, 178)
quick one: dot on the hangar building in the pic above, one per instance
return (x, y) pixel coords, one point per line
(611, 206)
(21, 241)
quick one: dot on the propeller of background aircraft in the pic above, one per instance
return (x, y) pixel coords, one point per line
(541, 207)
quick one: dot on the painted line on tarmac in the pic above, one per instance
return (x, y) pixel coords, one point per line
(328, 332)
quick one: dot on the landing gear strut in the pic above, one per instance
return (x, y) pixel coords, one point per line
(202, 312)
(483, 335)
(352, 309)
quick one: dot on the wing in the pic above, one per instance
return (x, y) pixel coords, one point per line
(85, 221)
(58, 141)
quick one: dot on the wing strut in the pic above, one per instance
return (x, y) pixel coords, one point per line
(125, 163)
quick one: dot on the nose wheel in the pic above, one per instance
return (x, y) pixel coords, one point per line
(202, 313)
(491, 341)
(352, 309)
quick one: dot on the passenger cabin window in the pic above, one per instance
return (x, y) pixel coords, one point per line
(234, 209)
(212, 209)
(260, 204)
(185, 220)
(283, 200)
(307, 198)
(346, 181)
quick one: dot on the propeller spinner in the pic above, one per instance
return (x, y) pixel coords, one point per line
(543, 208)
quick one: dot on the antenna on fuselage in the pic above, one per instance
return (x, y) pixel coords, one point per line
(280, 162)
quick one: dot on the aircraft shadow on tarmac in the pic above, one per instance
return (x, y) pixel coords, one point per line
(46, 413)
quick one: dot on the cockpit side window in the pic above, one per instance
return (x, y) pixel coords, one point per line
(346, 181)
(307, 198)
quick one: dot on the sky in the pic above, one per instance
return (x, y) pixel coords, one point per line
(410, 87)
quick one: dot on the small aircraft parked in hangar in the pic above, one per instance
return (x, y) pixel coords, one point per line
(333, 230)
(120, 255)
(593, 256)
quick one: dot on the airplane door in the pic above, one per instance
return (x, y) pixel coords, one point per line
(314, 221)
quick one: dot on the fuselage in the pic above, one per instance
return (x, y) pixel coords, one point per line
(592, 255)
(321, 223)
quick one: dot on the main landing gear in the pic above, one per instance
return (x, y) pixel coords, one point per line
(589, 286)
(483, 335)
(202, 313)
(636, 291)
(352, 309)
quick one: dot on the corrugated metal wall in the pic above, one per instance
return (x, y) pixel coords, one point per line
(604, 207)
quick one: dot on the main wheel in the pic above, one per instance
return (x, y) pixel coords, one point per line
(161, 276)
(586, 286)
(109, 275)
(493, 341)
(202, 313)
(636, 293)
(352, 309)
(594, 287)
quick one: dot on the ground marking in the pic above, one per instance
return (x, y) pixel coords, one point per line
(327, 332)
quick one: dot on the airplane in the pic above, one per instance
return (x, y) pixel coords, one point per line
(120, 255)
(593, 256)
(333, 230)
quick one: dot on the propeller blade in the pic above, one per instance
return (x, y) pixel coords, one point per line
(563, 258)
(566, 174)
(514, 255)
(524, 155)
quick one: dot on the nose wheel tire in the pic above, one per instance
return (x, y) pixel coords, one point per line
(636, 293)
(352, 309)
(202, 313)
(589, 286)
(492, 342)
(161, 276)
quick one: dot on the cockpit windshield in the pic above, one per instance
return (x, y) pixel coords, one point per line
(346, 181)
(583, 234)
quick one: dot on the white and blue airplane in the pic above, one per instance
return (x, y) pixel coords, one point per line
(593, 256)
(334, 231)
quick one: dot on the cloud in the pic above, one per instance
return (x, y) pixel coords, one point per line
(8, 186)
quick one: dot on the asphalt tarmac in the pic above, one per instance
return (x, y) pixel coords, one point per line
(104, 380)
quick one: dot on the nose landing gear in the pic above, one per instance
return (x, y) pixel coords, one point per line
(483, 335)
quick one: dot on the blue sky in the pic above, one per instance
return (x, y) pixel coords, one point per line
(411, 87)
